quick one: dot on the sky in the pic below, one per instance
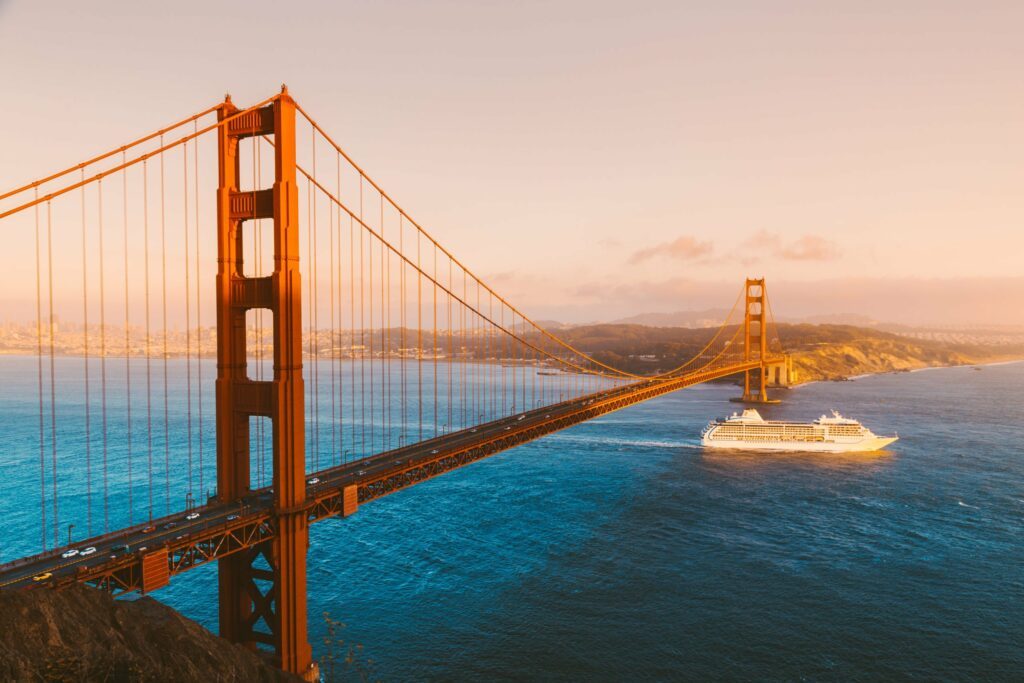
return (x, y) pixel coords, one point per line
(595, 160)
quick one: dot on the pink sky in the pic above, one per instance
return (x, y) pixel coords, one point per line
(602, 159)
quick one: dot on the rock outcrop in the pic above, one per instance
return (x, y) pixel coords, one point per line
(83, 634)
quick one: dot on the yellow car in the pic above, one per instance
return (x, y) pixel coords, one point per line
(43, 577)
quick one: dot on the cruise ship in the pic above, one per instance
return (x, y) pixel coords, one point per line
(751, 432)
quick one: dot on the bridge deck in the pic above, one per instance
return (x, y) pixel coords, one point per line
(225, 528)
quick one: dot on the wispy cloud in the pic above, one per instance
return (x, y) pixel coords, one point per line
(684, 248)
(803, 248)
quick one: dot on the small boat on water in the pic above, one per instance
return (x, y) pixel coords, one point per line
(750, 431)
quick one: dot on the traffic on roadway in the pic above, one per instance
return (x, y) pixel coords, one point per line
(134, 542)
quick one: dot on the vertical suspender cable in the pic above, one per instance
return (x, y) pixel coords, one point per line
(402, 321)
(419, 335)
(314, 285)
(103, 363)
(385, 288)
(501, 361)
(369, 295)
(309, 321)
(127, 344)
(149, 359)
(199, 308)
(462, 344)
(53, 389)
(434, 354)
(314, 355)
(188, 320)
(39, 364)
(337, 334)
(362, 329)
(163, 294)
(516, 350)
(451, 359)
(102, 355)
(333, 342)
(352, 324)
(85, 353)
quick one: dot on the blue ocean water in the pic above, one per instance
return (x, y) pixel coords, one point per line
(620, 550)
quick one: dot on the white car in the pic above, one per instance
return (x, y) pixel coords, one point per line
(313, 480)
(434, 452)
(69, 553)
(520, 418)
(191, 516)
(88, 551)
(232, 518)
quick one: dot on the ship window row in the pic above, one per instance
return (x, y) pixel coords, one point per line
(769, 437)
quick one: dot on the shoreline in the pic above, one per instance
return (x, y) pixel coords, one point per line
(854, 378)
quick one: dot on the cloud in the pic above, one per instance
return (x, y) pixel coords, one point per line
(810, 248)
(803, 248)
(762, 244)
(683, 248)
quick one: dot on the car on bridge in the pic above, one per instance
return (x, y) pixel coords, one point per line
(45, 576)
(67, 554)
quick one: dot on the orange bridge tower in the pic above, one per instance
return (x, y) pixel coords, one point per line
(755, 341)
(262, 588)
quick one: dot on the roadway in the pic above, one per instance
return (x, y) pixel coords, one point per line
(178, 530)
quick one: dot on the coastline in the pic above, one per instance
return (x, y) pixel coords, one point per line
(946, 366)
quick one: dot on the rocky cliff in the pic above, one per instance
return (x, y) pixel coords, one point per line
(84, 635)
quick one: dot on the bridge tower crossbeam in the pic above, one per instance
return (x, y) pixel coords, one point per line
(268, 582)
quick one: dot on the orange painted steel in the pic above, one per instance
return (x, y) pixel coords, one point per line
(156, 572)
(755, 312)
(243, 604)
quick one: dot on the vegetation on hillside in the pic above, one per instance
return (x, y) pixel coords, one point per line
(818, 351)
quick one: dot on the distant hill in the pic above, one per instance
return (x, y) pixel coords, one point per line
(712, 317)
(835, 319)
(553, 325)
(818, 351)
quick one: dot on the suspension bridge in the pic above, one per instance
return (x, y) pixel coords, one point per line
(355, 357)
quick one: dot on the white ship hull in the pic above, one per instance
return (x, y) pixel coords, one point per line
(863, 446)
(751, 432)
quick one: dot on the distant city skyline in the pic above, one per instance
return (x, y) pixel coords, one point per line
(591, 160)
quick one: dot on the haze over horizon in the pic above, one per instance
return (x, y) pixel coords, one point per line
(593, 161)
